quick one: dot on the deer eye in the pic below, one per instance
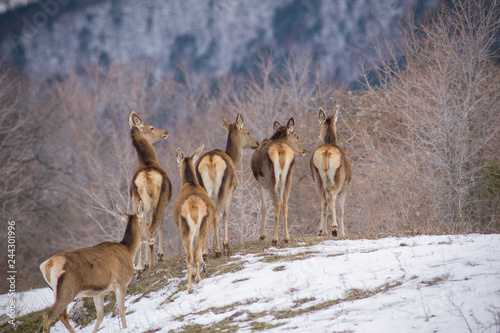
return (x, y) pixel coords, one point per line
(152, 127)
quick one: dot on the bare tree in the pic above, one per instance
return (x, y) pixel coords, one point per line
(441, 88)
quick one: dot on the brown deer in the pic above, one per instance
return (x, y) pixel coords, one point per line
(95, 271)
(150, 183)
(331, 171)
(216, 172)
(272, 166)
(194, 214)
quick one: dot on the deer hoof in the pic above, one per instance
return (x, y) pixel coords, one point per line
(287, 240)
(320, 233)
(160, 257)
(226, 246)
(334, 233)
(138, 275)
(274, 242)
(202, 270)
(262, 237)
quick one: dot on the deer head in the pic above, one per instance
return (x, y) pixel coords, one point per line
(150, 133)
(145, 234)
(287, 133)
(327, 126)
(239, 133)
(186, 165)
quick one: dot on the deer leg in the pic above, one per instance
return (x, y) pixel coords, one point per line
(225, 217)
(64, 318)
(263, 210)
(203, 233)
(333, 199)
(99, 307)
(158, 223)
(188, 247)
(285, 193)
(120, 300)
(140, 266)
(277, 210)
(324, 214)
(218, 209)
(342, 197)
(56, 310)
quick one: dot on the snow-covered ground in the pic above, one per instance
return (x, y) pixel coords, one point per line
(417, 284)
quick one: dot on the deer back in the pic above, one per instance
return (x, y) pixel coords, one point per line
(328, 162)
(150, 182)
(91, 271)
(276, 156)
(192, 207)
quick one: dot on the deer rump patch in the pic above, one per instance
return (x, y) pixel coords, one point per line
(148, 184)
(327, 159)
(212, 169)
(281, 155)
(194, 210)
(51, 270)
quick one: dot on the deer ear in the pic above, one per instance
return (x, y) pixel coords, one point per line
(123, 215)
(197, 153)
(290, 125)
(226, 122)
(180, 155)
(239, 121)
(135, 120)
(321, 116)
(140, 209)
(335, 115)
(276, 126)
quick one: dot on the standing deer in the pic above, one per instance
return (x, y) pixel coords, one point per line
(272, 166)
(150, 183)
(331, 171)
(95, 271)
(194, 214)
(216, 172)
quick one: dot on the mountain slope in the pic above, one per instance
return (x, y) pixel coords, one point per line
(209, 37)
(418, 284)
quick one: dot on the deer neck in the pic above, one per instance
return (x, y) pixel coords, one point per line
(131, 239)
(145, 150)
(189, 175)
(234, 150)
(330, 136)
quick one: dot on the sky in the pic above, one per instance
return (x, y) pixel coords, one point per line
(417, 284)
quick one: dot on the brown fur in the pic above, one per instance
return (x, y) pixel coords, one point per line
(94, 271)
(194, 214)
(150, 183)
(331, 171)
(272, 166)
(216, 171)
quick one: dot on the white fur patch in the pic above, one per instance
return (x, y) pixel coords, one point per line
(149, 189)
(51, 275)
(327, 161)
(212, 172)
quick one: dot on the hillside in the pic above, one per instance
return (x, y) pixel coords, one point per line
(208, 37)
(417, 284)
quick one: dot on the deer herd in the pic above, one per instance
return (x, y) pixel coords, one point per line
(207, 188)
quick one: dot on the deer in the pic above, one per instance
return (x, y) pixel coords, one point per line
(194, 214)
(216, 172)
(331, 171)
(95, 271)
(272, 165)
(150, 183)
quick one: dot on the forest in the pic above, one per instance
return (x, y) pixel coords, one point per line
(421, 130)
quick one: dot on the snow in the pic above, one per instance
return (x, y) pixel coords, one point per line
(417, 284)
